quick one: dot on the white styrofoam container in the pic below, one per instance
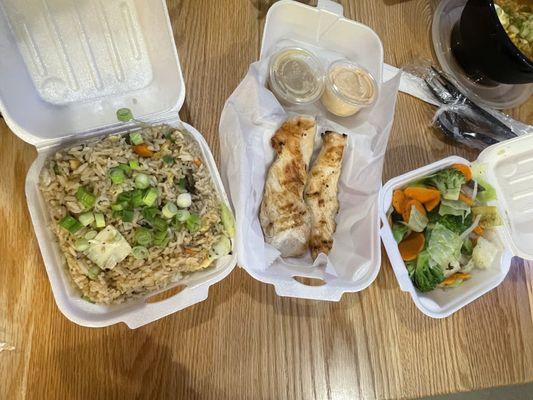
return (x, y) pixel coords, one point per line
(323, 26)
(66, 68)
(509, 169)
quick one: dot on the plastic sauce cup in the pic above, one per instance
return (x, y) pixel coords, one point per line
(296, 76)
(348, 88)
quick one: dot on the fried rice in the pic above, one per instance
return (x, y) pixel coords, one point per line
(87, 165)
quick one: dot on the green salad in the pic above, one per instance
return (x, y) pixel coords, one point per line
(442, 225)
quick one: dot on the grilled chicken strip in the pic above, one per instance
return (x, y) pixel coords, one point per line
(321, 192)
(284, 215)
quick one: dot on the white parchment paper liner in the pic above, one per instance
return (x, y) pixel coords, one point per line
(250, 117)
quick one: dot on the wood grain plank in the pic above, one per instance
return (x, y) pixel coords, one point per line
(245, 342)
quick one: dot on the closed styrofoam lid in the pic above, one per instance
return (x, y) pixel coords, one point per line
(508, 166)
(67, 66)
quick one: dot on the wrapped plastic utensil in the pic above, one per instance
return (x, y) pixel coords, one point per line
(458, 117)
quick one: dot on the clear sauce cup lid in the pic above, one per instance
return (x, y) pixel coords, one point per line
(296, 75)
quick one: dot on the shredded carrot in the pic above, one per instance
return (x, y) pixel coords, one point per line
(411, 246)
(465, 170)
(197, 162)
(453, 278)
(479, 230)
(189, 252)
(465, 199)
(143, 150)
(449, 280)
(398, 201)
(422, 194)
(430, 205)
(409, 205)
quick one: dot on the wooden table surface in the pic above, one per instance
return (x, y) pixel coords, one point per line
(245, 342)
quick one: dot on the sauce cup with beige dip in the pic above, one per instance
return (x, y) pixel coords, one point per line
(348, 89)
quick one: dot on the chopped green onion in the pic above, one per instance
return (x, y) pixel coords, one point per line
(70, 223)
(93, 272)
(87, 299)
(161, 239)
(140, 252)
(117, 175)
(86, 198)
(124, 197)
(168, 159)
(142, 181)
(81, 244)
(168, 135)
(134, 164)
(150, 213)
(177, 225)
(86, 218)
(143, 237)
(182, 185)
(99, 220)
(160, 224)
(193, 223)
(169, 210)
(137, 198)
(127, 215)
(182, 215)
(126, 168)
(117, 207)
(90, 235)
(184, 200)
(124, 114)
(136, 138)
(150, 197)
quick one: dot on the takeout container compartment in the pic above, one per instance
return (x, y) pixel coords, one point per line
(330, 37)
(64, 86)
(322, 26)
(509, 169)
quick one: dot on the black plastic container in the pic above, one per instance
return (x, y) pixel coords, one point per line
(483, 49)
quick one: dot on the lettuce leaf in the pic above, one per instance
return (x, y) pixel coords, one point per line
(417, 220)
(399, 231)
(449, 182)
(454, 207)
(426, 275)
(468, 247)
(456, 223)
(489, 194)
(411, 266)
(444, 246)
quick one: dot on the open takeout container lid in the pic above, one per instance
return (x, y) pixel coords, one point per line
(508, 167)
(323, 25)
(66, 68)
